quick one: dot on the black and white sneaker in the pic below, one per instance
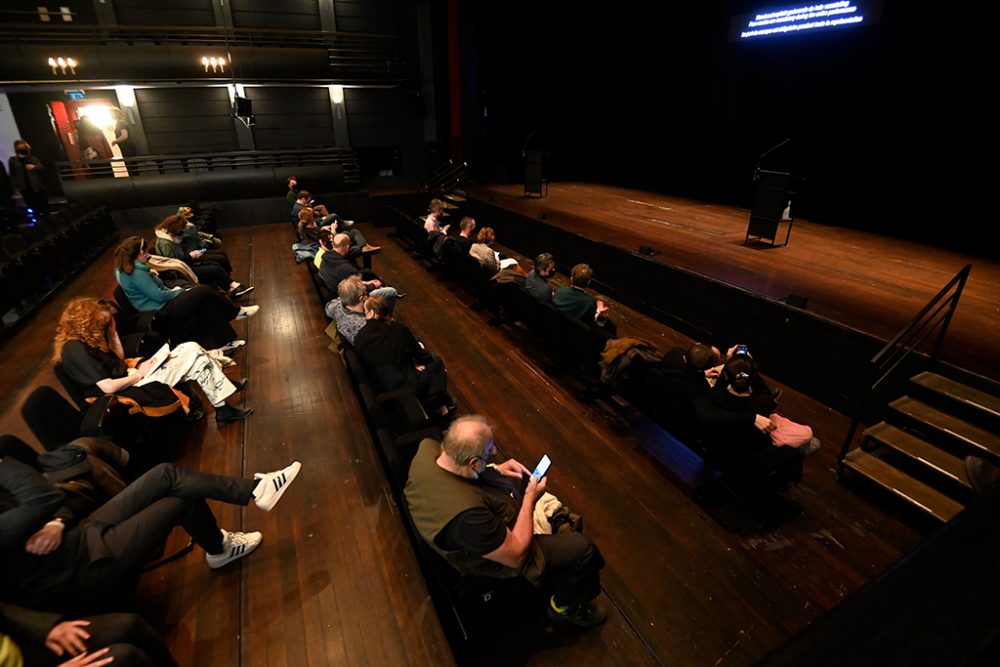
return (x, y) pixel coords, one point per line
(234, 546)
(272, 486)
(242, 290)
(247, 311)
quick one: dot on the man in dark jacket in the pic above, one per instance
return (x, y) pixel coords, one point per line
(575, 302)
(537, 282)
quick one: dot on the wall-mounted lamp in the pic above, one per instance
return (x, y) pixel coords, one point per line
(216, 64)
(60, 65)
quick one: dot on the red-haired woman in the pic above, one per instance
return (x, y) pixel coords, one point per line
(91, 354)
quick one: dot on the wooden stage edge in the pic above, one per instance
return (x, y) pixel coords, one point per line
(868, 282)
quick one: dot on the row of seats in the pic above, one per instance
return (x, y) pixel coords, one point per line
(397, 423)
(577, 346)
(37, 258)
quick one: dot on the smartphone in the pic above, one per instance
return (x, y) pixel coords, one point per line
(542, 467)
(741, 349)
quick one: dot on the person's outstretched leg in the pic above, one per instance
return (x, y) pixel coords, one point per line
(190, 361)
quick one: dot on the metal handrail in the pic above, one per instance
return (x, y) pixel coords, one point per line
(437, 171)
(221, 161)
(449, 180)
(936, 314)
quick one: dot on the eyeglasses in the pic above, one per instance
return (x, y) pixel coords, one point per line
(488, 452)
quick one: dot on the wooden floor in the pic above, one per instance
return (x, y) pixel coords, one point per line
(869, 282)
(335, 581)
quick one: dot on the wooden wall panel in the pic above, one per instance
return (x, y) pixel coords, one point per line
(292, 117)
(187, 120)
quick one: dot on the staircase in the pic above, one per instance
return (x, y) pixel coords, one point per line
(918, 452)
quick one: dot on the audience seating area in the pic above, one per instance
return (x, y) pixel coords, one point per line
(396, 420)
(576, 347)
(37, 258)
(397, 423)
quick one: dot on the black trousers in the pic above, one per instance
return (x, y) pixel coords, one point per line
(136, 522)
(201, 315)
(219, 257)
(572, 567)
(132, 642)
(211, 273)
(431, 384)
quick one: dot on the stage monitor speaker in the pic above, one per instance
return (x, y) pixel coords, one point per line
(534, 184)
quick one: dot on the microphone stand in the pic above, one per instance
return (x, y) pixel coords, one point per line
(756, 171)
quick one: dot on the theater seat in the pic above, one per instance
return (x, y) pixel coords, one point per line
(54, 421)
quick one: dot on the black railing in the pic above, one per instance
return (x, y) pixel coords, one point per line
(349, 55)
(151, 165)
(446, 178)
(51, 34)
(436, 173)
(936, 315)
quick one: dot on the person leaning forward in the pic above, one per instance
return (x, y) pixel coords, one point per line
(478, 517)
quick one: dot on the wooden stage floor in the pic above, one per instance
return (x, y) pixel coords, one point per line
(872, 283)
(336, 582)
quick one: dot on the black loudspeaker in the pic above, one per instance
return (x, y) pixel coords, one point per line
(243, 108)
(646, 250)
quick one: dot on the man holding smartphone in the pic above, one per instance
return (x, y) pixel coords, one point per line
(478, 517)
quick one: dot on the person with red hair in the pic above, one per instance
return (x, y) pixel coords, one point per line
(90, 351)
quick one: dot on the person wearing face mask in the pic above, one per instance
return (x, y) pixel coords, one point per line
(26, 178)
(478, 517)
(199, 313)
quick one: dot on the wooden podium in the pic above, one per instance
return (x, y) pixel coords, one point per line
(772, 192)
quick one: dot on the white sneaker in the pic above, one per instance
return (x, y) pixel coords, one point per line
(272, 486)
(234, 546)
(247, 311)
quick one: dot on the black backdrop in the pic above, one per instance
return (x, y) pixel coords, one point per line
(884, 122)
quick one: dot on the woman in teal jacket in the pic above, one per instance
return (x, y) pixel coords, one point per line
(199, 314)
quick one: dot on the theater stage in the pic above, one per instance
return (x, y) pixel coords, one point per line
(868, 282)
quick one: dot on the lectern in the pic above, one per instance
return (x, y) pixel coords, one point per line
(772, 192)
(534, 184)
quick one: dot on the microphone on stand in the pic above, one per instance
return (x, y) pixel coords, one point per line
(524, 146)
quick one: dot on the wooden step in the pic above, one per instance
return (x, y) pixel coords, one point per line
(916, 493)
(984, 441)
(957, 391)
(920, 450)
